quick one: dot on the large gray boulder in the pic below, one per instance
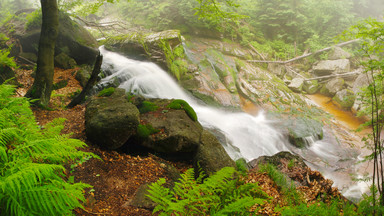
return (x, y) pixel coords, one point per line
(73, 40)
(332, 87)
(345, 98)
(361, 81)
(211, 155)
(338, 53)
(328, 67)
(174, 131)
(111, 121)
(311, 86)
(296, 84)
(302, 131)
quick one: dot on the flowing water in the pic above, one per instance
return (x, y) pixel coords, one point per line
(242, 135)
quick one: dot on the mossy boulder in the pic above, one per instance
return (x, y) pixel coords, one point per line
(332, 87)
(277, 159)
(64, 61)
(311, 86)
(296, 85)
(83, 75)
(7, 73)
(328, 67)
(302, 131)
(73, 39)
(111, 121)
(211, 155)
(345, 98)
(175, 132)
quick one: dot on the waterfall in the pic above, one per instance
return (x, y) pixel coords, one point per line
(246, 136)
(242, 135)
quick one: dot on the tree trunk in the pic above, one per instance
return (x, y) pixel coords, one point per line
(42, 86)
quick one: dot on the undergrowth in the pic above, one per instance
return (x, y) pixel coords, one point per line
(32, 180)
(219, 194)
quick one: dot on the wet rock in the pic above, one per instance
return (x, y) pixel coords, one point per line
(303, 131)
(328, 67)
(345, 98)
(211, 155)
(276, 160)
(361, 81)
(311, 86)
(296, 85)
(83, 75)
(338, 53)
(332, 87)
(111, 121)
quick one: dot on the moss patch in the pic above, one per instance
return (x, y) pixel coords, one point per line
(147, 106)
(145, 131)
(106, 92)
(181, 104)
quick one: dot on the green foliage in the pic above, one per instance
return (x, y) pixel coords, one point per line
(106, 92)
(219, 194)
(31, 158)
(145, 131)
(81, 7)
(147, 106)
(181, 104)
(34, 20)
(5, 60)
(335, 208)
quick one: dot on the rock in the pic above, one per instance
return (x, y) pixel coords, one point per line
(311, 86)
(64, 61)
(111, 121)
(32, 57)
(328, 67)
(277, 69)
(338, 53)
(83, 75)
(332, 87)
(211, 155)
(7, 73)
(276, 160)
(177, 133)
(141, 200)
(303, 131)
(345, 98)
(361, 81)
(73, 39)
(296, 84)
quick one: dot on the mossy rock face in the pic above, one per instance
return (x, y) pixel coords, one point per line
(175, 132)
(345, 98)
(83, 75)
(211, 155)
(296, 85)
(64, 61)
(332, 87)
(276, 160)
(311, 87)
(73, 40)
(111, 121)
(302, 130)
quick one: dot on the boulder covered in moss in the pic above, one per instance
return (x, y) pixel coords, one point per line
(171, 130)
(111, 121)
(73, 39)
(211, 155)
(296, 85)
(303, 131)
(345, 98)
(332, 87)
(327, 67)
(311, 86)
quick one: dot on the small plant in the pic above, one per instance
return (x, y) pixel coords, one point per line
(147, 106)
(106, 92)
(5, 60)
(181, 104)
(145, 131)
(218, 194)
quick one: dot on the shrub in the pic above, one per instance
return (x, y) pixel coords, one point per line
(31, 158)
(181, 104)
(218, 194)
(147, 106)
(5, 60)
(106, 92)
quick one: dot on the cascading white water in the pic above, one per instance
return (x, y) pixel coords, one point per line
(247, 136)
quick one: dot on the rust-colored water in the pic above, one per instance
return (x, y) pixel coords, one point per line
(346, 118)
(249, 107)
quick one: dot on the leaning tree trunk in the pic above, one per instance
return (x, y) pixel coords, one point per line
(42, 86)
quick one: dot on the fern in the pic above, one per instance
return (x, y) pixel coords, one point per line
(31, 162)
(218, 194)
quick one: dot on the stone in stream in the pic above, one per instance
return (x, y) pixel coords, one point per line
(311, 86)
(332, 87)
(345, 98)
(303, 131)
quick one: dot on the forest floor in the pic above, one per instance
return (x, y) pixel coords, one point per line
(117, 176)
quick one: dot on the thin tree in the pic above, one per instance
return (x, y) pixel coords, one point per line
(42, 86)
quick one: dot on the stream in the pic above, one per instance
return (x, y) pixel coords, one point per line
(243, 135)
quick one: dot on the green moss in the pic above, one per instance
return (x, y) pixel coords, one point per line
(106, 92)
(147, 106)
(145, 131)
(181, 104)
(33, 20)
